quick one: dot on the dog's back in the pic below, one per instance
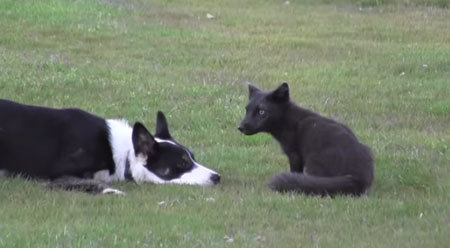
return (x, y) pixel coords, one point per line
(49, 143)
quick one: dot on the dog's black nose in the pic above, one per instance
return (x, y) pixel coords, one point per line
(240, 128)
(215, 178)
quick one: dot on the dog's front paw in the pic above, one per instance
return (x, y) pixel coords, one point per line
(111, 191)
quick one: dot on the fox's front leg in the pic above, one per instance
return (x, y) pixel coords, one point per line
(295, 162)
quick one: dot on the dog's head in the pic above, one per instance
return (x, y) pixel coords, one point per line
(167, 159)
(265, 109)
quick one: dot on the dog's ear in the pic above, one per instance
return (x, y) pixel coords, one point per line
(143, 141)
(252, 90)
(280, 94)
(162, 128)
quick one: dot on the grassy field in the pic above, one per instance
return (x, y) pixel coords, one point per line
(382, 67)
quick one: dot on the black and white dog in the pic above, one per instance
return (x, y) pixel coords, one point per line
(77, 150)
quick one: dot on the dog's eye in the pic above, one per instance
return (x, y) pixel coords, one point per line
(261, 112)
(184, 165)
(185, 158)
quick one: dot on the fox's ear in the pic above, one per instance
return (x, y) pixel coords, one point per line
(252, 90)
(280, 94)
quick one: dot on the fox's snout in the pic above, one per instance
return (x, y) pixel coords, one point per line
(241, 128)
(246, 128)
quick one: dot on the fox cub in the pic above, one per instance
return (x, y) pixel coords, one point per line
(325, 157)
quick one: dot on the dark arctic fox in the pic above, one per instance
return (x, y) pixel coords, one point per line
(325, 156)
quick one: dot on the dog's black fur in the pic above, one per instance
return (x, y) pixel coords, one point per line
(47, 143)
(325, 156)
(76, 150)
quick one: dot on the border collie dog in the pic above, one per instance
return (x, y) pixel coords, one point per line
(76, 150)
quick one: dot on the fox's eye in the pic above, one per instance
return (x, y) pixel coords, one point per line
(261, 112)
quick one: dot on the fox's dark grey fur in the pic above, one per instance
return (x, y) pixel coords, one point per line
(325, 156)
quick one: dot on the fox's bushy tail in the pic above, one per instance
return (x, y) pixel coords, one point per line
(313, 185)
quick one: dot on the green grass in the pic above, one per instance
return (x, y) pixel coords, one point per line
(382, 67)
